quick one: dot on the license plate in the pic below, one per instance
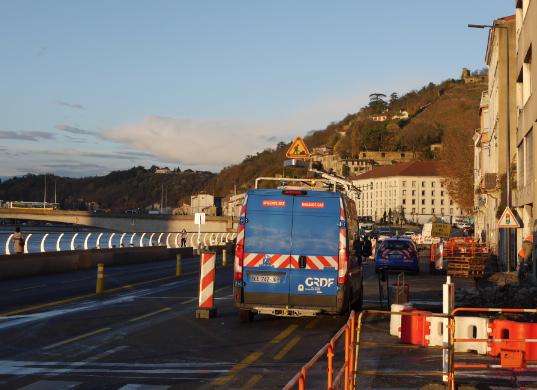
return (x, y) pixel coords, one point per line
(396, 256)
(265, 279)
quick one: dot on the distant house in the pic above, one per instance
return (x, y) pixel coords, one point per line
(323, 149)
(381, 117)
(341, 131)
(401, 115)
(163, 170)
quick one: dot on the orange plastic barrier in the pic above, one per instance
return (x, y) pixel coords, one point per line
(505, 330)
(414, 328)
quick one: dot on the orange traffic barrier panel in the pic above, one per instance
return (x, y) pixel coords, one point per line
(414, 328)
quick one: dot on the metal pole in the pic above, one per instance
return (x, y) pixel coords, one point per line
(508, 152)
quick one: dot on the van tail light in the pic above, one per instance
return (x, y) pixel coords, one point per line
(343, 264)
(239, 257)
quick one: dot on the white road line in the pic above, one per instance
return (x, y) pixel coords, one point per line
(150, 314)
(76, 338)
(91, 359)
(51, 385)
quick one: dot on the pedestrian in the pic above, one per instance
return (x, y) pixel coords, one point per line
(367, 249)
(357, 246)
(183, 238)
(483, 237)
(18, 241)
(465, 233)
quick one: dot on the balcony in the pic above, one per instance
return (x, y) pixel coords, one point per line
(490, 181)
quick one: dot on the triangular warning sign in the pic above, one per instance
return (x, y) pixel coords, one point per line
(298, 149)
(508, 220)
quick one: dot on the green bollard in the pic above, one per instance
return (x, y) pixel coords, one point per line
(100, 279)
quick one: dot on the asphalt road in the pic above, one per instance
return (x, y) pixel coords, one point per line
(56, 333)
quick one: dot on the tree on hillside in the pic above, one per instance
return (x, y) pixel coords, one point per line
(393, 98)
(376, 102)
(392, 140)
(356, 138)
(343, 147)
(332, 141)
(281, 145)
(456, 165)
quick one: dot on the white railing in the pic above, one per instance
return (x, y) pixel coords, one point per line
(56, 242)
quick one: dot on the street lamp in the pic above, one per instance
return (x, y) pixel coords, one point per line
(508, 135)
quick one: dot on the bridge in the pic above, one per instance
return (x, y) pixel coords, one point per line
(130, 223)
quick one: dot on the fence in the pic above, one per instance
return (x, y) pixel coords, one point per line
(55, 242)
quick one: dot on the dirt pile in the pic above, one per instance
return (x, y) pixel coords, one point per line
(501, 290)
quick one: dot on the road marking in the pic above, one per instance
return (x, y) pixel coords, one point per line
(252, 382)
(27, 288)
(76, 338)
(195, 299)
(150, 314)
(133, 386)
(49, 385)
(284, 334)
(287, 348)
(238, 368)
(314, 322)
(90, 295)
(78, 280)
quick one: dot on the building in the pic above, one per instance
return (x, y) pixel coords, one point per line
(525, 117)
(202, 202)
(163, 170)
(231, 205)
(490, 140)
(413, 190)
(381, 117)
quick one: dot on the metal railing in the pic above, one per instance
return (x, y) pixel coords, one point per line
(55, 242)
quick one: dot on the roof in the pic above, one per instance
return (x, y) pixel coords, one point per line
(510, 17)
(413, 168)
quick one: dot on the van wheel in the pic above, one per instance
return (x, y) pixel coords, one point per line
(246, 316)
(377, 271)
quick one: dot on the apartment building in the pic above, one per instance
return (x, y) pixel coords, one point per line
(525, 116)
(412, 189)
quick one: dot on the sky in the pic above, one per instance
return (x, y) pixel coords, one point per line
(88, 87)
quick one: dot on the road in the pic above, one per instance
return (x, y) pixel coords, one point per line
(56, 333)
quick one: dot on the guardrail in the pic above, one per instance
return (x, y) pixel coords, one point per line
(56, 242)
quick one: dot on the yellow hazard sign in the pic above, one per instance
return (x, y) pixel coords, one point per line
(441, 230)
(508, 220)
(298, 149)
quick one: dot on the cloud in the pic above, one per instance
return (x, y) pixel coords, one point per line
(74, 105)
(209, 142)
(42, 51)
(81, 153)
(75, 130)
(75, 140)
(26, 135)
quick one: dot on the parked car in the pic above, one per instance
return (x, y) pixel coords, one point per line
(408, 234)
(398, 253)
(463, 225)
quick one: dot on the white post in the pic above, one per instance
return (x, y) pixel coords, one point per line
(448, 304)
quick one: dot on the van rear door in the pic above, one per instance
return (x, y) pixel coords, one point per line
(317, 221)
(267, 248)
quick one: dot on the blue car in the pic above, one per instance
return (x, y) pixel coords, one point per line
(398, 253)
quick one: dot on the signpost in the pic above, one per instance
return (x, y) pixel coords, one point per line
(508, 220)
(442, 230)
(199, 219)
(298, 149)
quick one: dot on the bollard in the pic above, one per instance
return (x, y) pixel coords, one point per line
(178, 271)
(224, 258)
(100, 279)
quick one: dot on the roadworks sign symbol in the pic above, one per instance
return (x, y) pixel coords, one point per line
(298, 149)
(508, 220)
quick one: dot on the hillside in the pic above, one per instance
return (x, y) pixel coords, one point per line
(119, 190)
(417, 120)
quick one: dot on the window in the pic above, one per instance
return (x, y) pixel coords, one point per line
(441, 201)
(404, 183)
(432, 201)
(441, 193)
(413, 201)
(413, 210)
(529, 157)
(423, 201)
(451, 211)
(450, 202)
(413, 184)
(404, 201)
(432, 184)
(442, 211)
(404, 192)
(394, 194)
(422, 193)
(432, 210)
(521, 164)
(432, 193)
(441, 185)
(423, 184)
(413, 192)
(423, 211)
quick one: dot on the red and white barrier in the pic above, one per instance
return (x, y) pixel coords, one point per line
(373, 248)
(439, 256)
(206, 287)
